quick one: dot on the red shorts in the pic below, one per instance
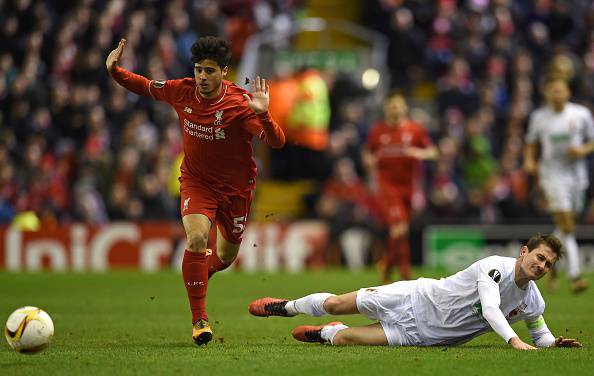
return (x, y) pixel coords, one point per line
(229, 212)
(395, 205)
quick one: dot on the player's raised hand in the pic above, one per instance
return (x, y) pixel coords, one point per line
(115, 55)
(260, 98)
(567, 342)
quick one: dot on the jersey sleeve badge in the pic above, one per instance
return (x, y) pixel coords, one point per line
(158, 84)
(495, 275)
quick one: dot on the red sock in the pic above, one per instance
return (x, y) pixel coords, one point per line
(216, 265)
(195, 273)
(404, 257)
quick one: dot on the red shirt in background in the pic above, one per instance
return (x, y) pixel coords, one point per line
(388, 144)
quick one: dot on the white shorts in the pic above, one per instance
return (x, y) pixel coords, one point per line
(391, 305)
(562, 196)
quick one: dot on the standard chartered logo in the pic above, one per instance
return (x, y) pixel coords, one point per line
(202, 132)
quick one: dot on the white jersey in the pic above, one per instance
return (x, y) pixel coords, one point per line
(556, 132)
(448, 311)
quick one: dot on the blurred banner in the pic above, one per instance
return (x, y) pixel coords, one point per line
(453, 247)
(154, 246)
(268, 246)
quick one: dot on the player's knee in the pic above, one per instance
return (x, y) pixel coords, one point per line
(227, 257)
(343, 338)
(332, 305)
(197, 242)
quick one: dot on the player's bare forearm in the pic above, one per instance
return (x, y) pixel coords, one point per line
(530, 158)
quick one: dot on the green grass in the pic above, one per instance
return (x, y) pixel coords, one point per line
(125, 323)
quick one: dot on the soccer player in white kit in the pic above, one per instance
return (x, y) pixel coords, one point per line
(565, 132)
(490, 294)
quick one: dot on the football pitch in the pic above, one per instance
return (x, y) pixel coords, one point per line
(133, 323)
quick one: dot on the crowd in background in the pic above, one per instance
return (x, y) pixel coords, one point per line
(74, 146)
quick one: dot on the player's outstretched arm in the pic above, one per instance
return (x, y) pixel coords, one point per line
(134, 82)
(542, 336)
(490, 301)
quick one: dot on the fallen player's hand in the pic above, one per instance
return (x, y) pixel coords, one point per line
(567, 342)
(518, 344)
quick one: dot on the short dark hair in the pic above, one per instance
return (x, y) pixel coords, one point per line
(212, 48)
(549, 240)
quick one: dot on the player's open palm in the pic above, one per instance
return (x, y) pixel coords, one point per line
(115, 55)
(567, 342)
(260, 98)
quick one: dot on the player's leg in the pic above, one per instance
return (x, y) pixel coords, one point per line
(558, 201)
(398, 252)
(224, 254)
(195, 273)
(198, 208)
(318, 304)
(565, 222)
(339, 334)
(362, 335)
(231, 219)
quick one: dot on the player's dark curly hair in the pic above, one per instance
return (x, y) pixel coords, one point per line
(211, 48)
(550, 240)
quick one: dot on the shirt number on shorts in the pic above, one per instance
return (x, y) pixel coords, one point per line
(238, 225)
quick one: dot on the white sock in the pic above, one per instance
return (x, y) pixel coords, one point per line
(329, 331)
(312, 305)
(573, 258)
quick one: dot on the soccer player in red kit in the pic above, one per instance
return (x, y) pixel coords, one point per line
(218, 173)
(392, 155)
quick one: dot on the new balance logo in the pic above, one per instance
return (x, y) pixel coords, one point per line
(188, 110)
(219, 134)
(186, 202)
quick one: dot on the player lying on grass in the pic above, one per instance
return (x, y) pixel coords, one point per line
(489, 295)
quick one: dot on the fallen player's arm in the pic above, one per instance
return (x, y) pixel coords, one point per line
(490, 300)
(542, 336)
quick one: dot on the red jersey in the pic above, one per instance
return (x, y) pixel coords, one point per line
(387, 144)
(217, 132)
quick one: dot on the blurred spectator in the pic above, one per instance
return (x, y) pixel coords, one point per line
(349, 208)
(306, 130)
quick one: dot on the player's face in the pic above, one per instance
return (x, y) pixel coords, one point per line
(557, 93)
(395, 108)
(536, 263)
(209, 76)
